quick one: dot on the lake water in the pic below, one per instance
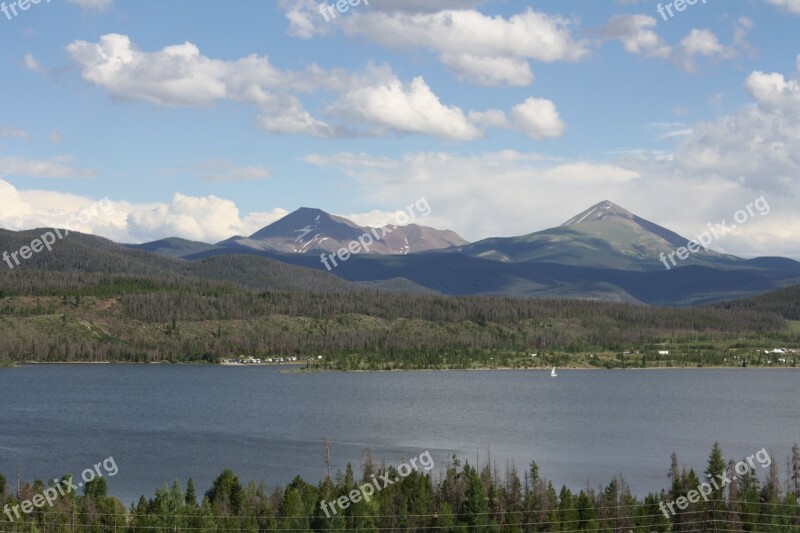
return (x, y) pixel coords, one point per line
(166, 422)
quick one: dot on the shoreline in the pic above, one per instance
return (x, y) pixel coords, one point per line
(366, 371)
(543, 369)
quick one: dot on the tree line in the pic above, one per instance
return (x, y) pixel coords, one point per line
(461, 498)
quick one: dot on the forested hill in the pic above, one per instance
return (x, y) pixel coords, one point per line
(82, 263)
(93, 300)
(784, 302)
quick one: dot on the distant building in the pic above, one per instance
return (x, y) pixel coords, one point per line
(663, 352)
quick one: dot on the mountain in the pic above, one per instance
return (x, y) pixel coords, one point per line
(603, 253)
(313, 231)
(80, 261)
(605, 235)
(174, 247)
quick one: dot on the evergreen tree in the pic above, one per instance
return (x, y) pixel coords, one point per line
(191, 497)
(715, 471)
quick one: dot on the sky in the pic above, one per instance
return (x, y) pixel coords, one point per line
(204, 119)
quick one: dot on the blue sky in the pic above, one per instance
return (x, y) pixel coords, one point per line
(203, 119)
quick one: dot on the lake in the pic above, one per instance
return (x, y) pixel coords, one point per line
(162, 423)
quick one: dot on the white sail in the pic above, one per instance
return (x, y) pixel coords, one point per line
(553, 373)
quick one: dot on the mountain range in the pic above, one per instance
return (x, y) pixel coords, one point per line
(605, 252)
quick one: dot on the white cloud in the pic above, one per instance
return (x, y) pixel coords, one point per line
(493, 118)
(11, 132)
(30, 209)
(793, 6)
(703, 43)
(483, 70)
(31, 63)
(488, 50)
(535, 117)
(92, 5)
(224, 170)
(636, 34)
(195, 218)
(375, 102)
(531, 34)
(56, 167)
(207, 219)
(773, 92)
(180, 76)
(405, 108)
(176, 76)
(755, 148)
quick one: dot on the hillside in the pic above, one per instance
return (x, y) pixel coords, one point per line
(604, 253)
(81, 261)
(313, 231)
(603, 236)
(93, 300)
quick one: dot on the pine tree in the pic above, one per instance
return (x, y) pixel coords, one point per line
(715, 508)
(191, 497)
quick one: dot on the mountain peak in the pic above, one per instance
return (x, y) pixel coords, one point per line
(310, 230)
(304, 224)
(599, 211)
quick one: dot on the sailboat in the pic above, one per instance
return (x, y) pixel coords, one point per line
(553, 373)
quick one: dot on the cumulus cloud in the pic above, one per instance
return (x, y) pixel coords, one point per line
(176, 76)
(537, 118)
(793, 6)
(487, 50)
(371, 103)
(405, 108)
(702, 43)
(756, 147)
(636, 34)
(180, 75)
(30, 209)
(306, 21)
(204, 218)
(200, 218)
(488, 71)
(773, 92)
